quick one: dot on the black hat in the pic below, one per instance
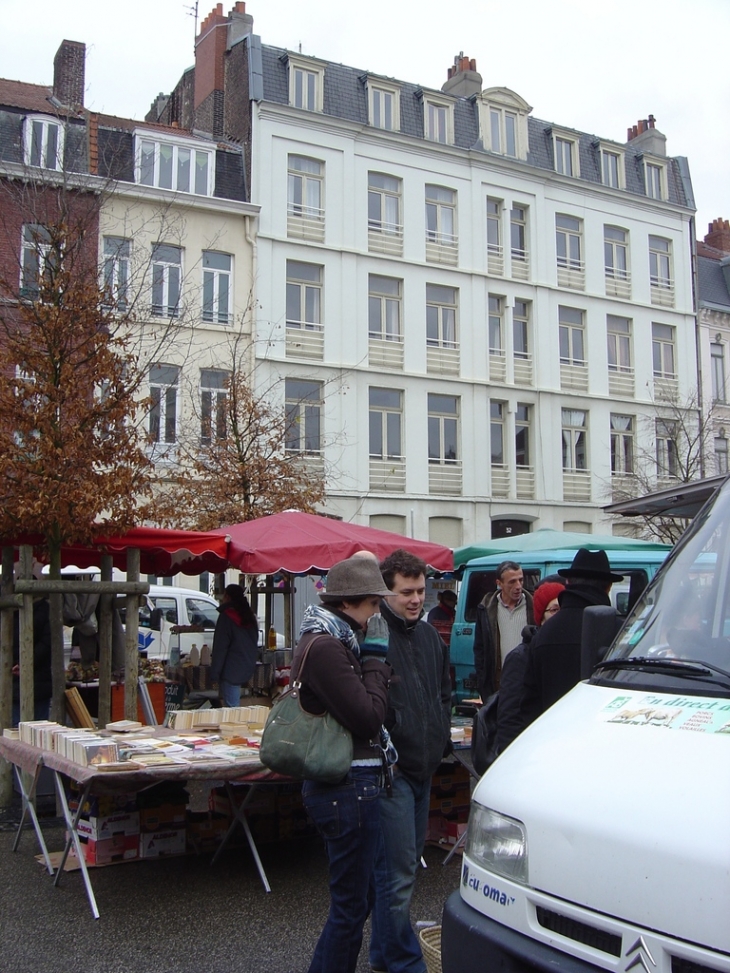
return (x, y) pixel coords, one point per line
(590, 564)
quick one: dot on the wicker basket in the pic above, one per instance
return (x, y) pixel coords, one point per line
(430, 940)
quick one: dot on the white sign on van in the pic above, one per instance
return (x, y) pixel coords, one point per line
(698, 713)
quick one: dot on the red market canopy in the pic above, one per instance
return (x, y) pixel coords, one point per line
(162, 552)
(299, 543)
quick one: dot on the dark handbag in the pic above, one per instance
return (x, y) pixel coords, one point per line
(484, 735)
(303, 745)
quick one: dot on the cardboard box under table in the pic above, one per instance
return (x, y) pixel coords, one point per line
(91, 782)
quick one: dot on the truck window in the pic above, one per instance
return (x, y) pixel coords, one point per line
(482, 583)
(202, 613)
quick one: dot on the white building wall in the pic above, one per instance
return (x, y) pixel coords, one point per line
(349, 153)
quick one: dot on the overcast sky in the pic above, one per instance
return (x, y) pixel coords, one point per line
(596, 67)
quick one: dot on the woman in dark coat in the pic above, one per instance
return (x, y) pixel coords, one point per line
(235, 645)
(348, 676)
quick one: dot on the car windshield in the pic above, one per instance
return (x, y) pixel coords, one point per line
(678, 635)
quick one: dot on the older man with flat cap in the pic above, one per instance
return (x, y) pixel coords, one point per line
(553, 663)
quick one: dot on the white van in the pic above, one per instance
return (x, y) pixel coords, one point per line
(166, 607)
(600, 838)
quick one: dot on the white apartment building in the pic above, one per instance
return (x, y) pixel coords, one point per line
(471, 315)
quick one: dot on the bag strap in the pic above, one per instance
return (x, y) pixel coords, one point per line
(297, 683)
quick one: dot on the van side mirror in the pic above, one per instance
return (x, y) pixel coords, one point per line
(601, 624)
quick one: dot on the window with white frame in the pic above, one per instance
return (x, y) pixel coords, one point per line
(166, 280)
(568, 238)
(384, 201)
(503, 126)
(667, 455)
(305, 187)
(518, 233)
(619, 343)
(441, 215)
(441, 312)
(523, 423)
(217, 280)
(443, 428)
(615, 252)
(566, 155)
(163, 381)
(521, 329)
(622, 445)
(386, 424)
(663, 351)
(385, 296)
(494, 227)
(306, 84)
(304, 295)
(304, 416)
(612, 167)
(575, 440)
(43, 143)
(660, 262)
(185, 168)
(655, 180)
(384, 106)
(571, 326)
(496, 432)
(717, 360)
(117, 252)
(721, 462)
(438, 121)
(496, 326)
(35, 259)
(213, 405)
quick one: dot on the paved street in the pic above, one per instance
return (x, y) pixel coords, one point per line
(177, 915)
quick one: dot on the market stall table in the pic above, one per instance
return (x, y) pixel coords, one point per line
(95, 780)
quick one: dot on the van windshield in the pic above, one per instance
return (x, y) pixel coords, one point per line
(678, 635)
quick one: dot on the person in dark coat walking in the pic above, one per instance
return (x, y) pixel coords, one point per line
(553, 659)
(235, 645)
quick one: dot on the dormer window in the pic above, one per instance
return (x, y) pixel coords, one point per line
(306, 83)
(43, 143)
(183, 166)
(565, 149)
(438, 119)
(612, 166)
(655, 178)
(383, 105)
(503, 118)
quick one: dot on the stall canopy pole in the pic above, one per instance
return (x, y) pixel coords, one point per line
(6, 665)
(27, 695)
(131, 668)
(105, 645)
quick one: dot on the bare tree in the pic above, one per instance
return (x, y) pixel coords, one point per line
(235, 465)
(673, 448)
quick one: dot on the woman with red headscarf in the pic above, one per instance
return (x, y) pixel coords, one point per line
(544, 605)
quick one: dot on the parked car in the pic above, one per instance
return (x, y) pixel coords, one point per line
(598, 840)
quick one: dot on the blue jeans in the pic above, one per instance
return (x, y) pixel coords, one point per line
(229, 693)
(347, 816)
(394, 945)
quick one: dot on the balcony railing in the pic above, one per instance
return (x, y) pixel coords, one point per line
(385, 238)
(497, 365)
(445, 477)
(523, 369)
(520, 264)
(442, 248)
(500, 481)
(495, 260)
(388, 474)
(305, 222)
(525, 483)
(442, 361)
(574, 375)
(662, 291)
(304, 340)
(385, 352)
(571, 273)
(621, 380)
(577, 485)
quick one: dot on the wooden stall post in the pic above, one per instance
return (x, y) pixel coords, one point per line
(6, 667)
(27, 696)
(131, 667)
(105, 645)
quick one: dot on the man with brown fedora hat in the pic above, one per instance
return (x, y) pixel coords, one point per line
(553, 663)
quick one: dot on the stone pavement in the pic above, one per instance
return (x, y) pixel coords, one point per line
(177, 915)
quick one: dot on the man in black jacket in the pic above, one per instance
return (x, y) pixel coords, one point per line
(419, 721)
(553, 663)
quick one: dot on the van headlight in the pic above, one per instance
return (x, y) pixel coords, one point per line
(497, 843)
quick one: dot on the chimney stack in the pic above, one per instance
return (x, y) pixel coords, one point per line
(463, 79)
(718, 235)
(648, 136)
(69, 70)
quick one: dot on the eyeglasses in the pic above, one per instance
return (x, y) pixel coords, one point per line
(551, 611)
